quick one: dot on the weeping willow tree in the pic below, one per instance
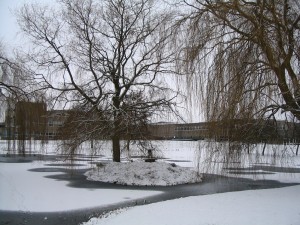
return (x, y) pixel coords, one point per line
(18, 91)
(247, 56)
(244, 56)
(25, 121)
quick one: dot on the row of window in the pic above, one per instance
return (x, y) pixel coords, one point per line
(187, 128)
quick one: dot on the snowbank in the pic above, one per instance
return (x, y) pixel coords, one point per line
(21, 189)
(143, 174)
(259, 207)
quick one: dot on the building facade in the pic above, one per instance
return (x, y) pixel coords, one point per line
(238, 130)
(27, 120)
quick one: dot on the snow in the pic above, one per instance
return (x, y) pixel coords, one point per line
(24, 187)
(25, 190)
(143, 174)
(260, 207)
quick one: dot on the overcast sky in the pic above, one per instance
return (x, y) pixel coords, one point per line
(8, 23)
(8, 27)
(9, 32)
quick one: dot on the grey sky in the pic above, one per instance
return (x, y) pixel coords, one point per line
(8, 26)
(8, 23)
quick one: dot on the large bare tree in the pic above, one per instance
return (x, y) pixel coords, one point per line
(99, 53)
(246, 54)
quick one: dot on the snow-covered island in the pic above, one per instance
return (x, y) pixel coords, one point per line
(143, 174)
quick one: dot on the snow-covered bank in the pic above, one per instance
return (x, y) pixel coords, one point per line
(143, 174)
(21, 189)
(260, 207)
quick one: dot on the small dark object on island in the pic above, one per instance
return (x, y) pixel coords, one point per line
(150, 153)
(100, 165)
(173, 164)
(150, 157)
(150, 160)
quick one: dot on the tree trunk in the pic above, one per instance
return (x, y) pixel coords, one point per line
(263, 151)
(92, 143)
(116, 148)
(128, 145)
(116, 130)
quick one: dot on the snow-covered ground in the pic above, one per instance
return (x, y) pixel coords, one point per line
(260, 207)
(24, 187)
(25, 190)
(265, 207)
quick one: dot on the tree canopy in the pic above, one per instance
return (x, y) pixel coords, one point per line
(246, 55)
(97, 53)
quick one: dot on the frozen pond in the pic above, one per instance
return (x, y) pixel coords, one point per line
(47, 181)
(202, 156)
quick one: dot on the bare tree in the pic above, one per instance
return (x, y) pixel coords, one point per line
(246, 54)
(87, 124)
(98, 53)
